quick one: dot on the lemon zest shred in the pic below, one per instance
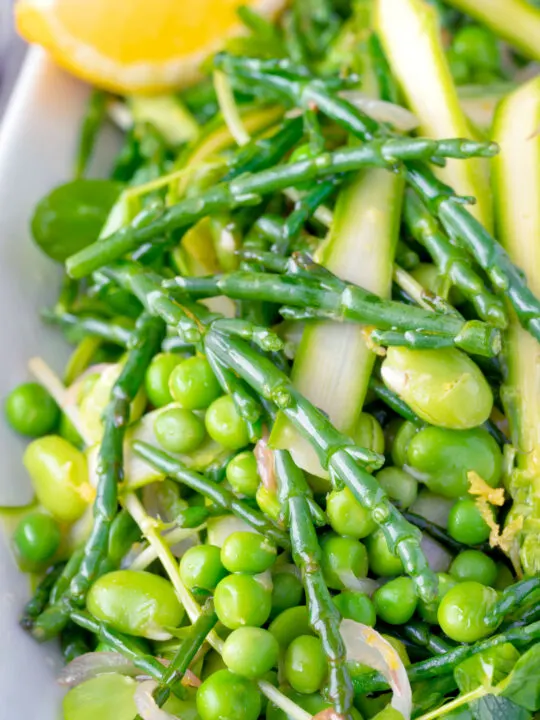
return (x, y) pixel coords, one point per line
(478, 486)
(371, 344)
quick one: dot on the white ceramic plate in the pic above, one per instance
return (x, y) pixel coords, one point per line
(37, 141)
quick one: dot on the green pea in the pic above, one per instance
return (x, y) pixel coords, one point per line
(347, 516)
(395, 602)
(381, 561)
(368, 433)
(193, 384)
(201, 567)
(486, 77)
(185, 709)
(342, 559)
(108, 697)
(31, 411)
(134, 602)
(242, 600)
(400, 487)
(444, 387)
(179, 430)
(69, 432)
(429, 612)
(459, 68)
(250, 652)
(59, 477)
(123, 533)
(356, 606)
(242, 474)
(226, 696)
(287, 592)
(473, 565)
(305, 666)
(213, 662)
(248, 552)
(462, 612)
(158, 374)
(403, 436)
(268, 502)
(36, 540)
(504, 577)
(388, 713)
(466, 524)
(445, 457)
(478, 47)
(290, 624)
(225, 425)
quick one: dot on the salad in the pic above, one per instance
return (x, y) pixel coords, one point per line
(291, 468)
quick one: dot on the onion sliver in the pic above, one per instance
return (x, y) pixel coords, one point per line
(146, 705)
(92, 664)
(383, 111)
(365, 645)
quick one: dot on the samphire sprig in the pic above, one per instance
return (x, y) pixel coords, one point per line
(301, 89)
(322, 295)
(249, 189)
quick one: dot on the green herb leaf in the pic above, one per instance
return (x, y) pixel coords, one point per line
(496, 707)
(71, 216)
(429, 694)
(487, 668)
(523, 686)
(462, 713)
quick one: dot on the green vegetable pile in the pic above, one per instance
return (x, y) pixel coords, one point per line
(293, 464)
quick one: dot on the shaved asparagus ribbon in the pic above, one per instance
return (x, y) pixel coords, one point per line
(59, 393)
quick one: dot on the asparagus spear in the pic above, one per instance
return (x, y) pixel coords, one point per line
(517, 184)
(334, 360)
(340, 301)
(462, 227)
(426, 81)
(335, 452)
(248, 189)
(516, 22)
(324, 616)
